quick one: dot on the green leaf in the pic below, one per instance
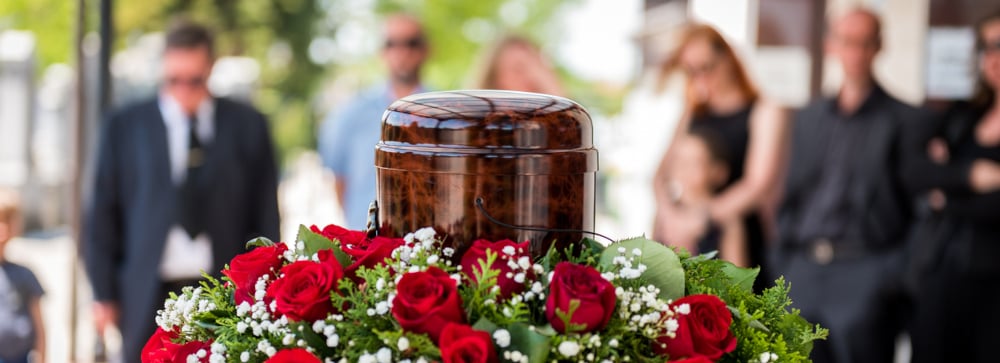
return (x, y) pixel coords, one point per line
(704, 256)
(596, 248)
(313, 242)
(259, 242)
(529, 342)
(663, 267)
(739, 276)
(486, 325)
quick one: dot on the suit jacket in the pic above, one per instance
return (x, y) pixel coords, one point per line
(879, 200)
(131, 208)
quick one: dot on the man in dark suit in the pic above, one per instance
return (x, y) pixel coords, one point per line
(843, 221)
(182, 182)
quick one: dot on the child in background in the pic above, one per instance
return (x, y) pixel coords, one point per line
(21, 329)
(698, 170)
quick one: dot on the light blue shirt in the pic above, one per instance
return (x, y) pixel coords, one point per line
(347, 146)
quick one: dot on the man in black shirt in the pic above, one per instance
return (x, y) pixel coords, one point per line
(842, 224)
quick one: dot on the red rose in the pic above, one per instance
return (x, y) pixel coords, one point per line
(363, 251)
(294, 355)
(245, 269)
(471, 264)
(426, 302)
(462, 344)
(160, 348)
(349, 240)
(303, 290)
(374, 253)
(596, 297)
(703, 331)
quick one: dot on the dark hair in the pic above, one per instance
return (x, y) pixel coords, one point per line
(184, 34)
(984, 94)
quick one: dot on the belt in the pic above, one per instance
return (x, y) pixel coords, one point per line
(824, 251)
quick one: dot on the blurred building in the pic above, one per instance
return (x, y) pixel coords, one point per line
(927, 52)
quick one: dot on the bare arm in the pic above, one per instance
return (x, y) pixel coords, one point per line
(340, 187)
(767, 151)
(733, 245)
(36, 317)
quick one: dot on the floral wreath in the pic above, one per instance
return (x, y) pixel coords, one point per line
(337, 296)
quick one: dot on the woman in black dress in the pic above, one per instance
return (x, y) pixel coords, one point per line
(956, 278)
(721, 99)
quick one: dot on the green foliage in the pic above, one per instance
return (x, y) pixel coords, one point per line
(790, 337)
(259, 242)
(52, 22)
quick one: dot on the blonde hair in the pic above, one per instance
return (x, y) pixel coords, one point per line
(703, 32)
(10, 205)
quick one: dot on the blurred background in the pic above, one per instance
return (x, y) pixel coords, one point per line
(65, 63)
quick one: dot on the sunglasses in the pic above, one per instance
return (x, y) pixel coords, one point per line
(411, 43)
(190, 82)
(991, 47)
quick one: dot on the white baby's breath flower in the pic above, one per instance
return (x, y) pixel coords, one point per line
(502, 337)
(524, 262)
(509, 250)
(684, 309)
(432, 259)
(672, 325)
(403, 344)
(333, 341)
(569, 348)
(367, 358)
(384, 355)
(519, 277)
(425, 234)
(382, 307)
(448, 251)
(245, 357)
(318, 326)
(537, 287)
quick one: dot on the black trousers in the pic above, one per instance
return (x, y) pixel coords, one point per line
(957, 304)
(860, 300)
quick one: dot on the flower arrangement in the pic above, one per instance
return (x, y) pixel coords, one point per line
(336, 296)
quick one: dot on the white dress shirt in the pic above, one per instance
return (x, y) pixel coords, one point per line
(185, 258)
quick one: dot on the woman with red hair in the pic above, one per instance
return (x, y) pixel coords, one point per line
(721, 99)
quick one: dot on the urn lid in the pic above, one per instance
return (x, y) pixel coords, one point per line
(487, 121)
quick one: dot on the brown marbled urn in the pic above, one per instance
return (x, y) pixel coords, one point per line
(530, 157)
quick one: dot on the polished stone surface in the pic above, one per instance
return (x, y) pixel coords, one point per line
(530, 157)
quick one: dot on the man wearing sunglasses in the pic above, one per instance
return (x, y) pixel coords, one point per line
(182, 182)
(347, 139)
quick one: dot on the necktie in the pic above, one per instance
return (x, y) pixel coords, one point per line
(190, 211)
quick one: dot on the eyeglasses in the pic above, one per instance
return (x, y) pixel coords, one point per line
(190, 82)
(411, 43)
(991, 47)
(697, 70)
